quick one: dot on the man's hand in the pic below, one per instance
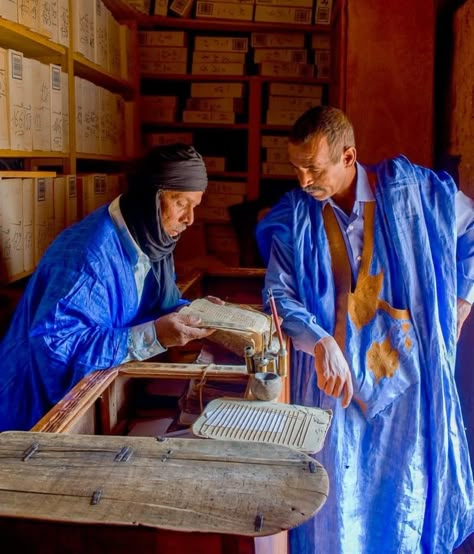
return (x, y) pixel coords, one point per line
(463, 311)
(176, 329)
(334, 376)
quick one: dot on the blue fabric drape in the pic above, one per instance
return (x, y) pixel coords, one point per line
(73, 318)
(400, 474)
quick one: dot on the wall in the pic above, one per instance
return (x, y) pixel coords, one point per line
(390, 72)
(461, 97)
(461, 145)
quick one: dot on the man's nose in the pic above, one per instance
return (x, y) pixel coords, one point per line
(189, 216)
(305, 178)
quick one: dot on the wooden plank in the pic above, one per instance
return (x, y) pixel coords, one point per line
(24, 174)
(183, 371)
(175, 484)
(76, 402)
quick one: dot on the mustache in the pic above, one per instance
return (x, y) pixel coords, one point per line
(313, 188)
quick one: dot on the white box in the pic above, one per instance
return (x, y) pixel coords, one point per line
(286, 69)
(218, 57)
(280, 14)
(292, 103)
(11, 239)
(57, 139)
(64, 31)
(41, 106)
(221, 44)
(27, 189)
(296, 55)
(218, 69)
(217, 90)
(294, 89)
(274, 141)
(4, 101)
(162, 38)
(16, 99)
(277, 40)
(9, 9)
(322, 14)
(224, 10)
(28, 14)
(169, 54)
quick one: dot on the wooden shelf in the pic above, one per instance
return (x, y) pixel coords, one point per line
(33, 45)
(192, 77)
(228, 174)
(236, 78)
(25, 174)
(92, 72)
(278, 177)
(32, 154)
(183, 125)
(17, 277)
(123, 11)
(104, 157)
(225, 25)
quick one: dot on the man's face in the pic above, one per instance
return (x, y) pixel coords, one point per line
(177, 210)
(317, 174)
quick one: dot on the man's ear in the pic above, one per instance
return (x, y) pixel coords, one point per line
(349, 156)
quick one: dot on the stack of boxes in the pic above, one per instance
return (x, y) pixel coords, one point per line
(214, 103)
(218, 9)
(163, 52)
(281, 54)
(321, 46)
(276, 155)
(219, 55)
(298, 12)
(287, 101)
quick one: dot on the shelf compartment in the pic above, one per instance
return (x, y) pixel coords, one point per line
(123, 11)
(193, 77)
(182, 125)
(228, 174)
(32, 154)
(104, 157)
(92, 72)
(33, 45)
(157, 22)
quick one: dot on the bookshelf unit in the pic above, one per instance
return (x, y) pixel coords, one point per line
(245, 135)
(39, 47)
(117, 82)
(238, 141)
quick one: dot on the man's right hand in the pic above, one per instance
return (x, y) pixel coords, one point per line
(177, 329)
(332, 370)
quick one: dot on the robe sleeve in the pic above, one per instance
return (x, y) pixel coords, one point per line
(465, 246)
(73, 324)
(276, 239)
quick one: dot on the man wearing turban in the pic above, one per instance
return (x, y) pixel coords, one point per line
(104, 292)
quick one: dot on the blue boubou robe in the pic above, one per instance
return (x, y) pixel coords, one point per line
(397, 457)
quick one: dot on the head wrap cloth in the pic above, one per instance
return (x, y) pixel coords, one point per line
(176, 167)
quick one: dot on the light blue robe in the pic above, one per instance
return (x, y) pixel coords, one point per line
(399, 469)
(73, 318)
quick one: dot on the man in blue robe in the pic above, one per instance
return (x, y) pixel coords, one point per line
(372, 270)
(104, 292)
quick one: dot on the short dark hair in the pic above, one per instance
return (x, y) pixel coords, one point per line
(326, 121)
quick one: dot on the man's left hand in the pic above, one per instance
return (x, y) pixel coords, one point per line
(463, 311)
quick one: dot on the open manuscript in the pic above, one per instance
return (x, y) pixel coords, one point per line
(236, 326)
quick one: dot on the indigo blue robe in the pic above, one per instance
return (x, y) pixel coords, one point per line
(74, 318)
(397, 457)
